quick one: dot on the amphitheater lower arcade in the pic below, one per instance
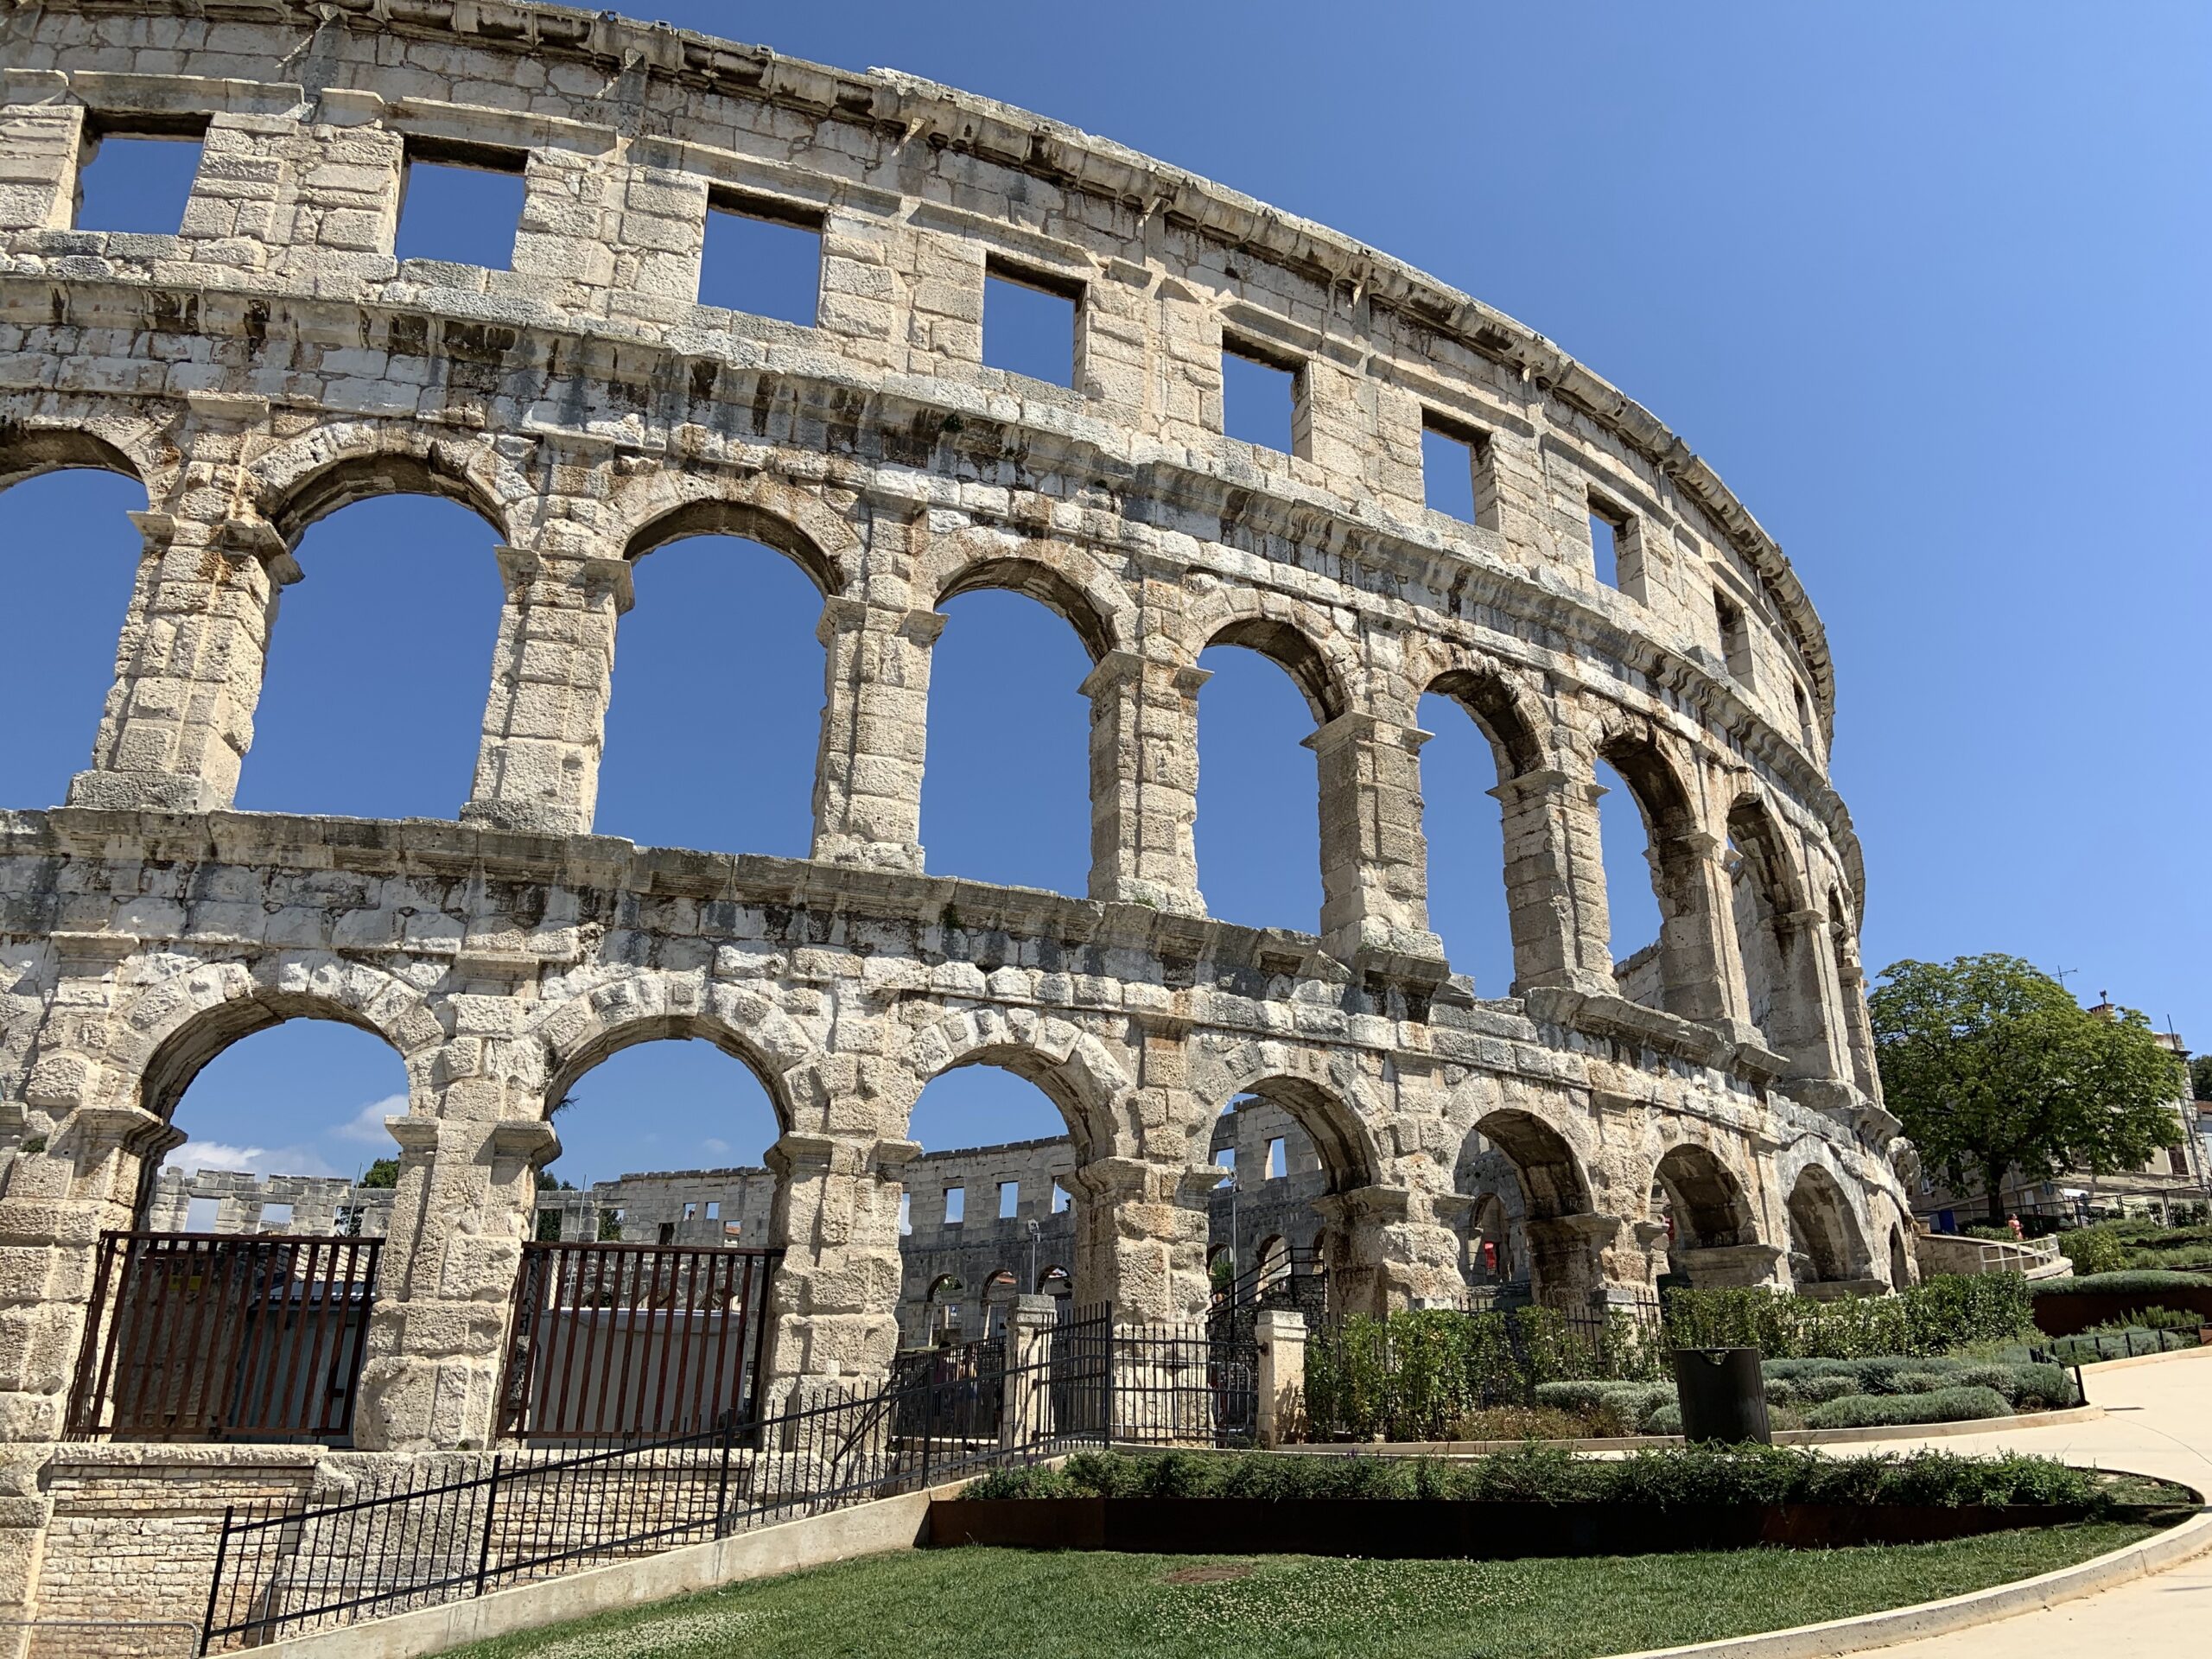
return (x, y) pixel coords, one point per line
(1707, 1105)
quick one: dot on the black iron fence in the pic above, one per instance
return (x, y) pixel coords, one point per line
(456, 1527)
(1184, 1385)
(623, 1341)
(207, 1336)
(1294, 1278)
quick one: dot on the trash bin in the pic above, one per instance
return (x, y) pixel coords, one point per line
(1722, 1395)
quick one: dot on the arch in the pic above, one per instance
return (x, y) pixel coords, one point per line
(1350, 1159)
(1488, 1221)
(1500, 712)
(1552, 1182)
(1826, 1244)
(1900, 1259)
(1284, 645)
(757, 1052)
(1059, 593)
(296, 491)
(28, 451)
(1765, 854)
(1055, 1280)
(1270, 1261)
(1660, 793)
(1679, 972)
(1074, 1070)
(723, 515)
(1707, 1200)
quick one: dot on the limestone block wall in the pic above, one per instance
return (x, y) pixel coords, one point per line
(244, 1203)
(273, 361)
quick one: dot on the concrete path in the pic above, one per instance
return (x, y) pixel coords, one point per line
(2158, 1422)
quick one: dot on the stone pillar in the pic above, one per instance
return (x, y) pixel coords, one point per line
(180, 717)
(1731, 1267)
(38, 149)
(1389, 1250)
(1555, 882)
(1373, 862)
(1851, 999)
(835, 1300)
(436, 1341)
(1702, 966)
(1025, 1413)
(545, 718)
(1281, 1335)
(1140, 1234)
(867, 782)
(1577, 1260)
(1144, 782)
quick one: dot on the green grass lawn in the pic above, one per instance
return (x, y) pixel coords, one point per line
(1016, 1603)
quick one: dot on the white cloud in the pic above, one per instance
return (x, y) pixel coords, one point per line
(717, 1147)
(365, 1127)
(255, 1161)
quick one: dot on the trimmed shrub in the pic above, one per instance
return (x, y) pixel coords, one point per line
(1938, 1314)
(1883, 1410)
(2121, 1283)
(1661, 1476)
(1663, 1420)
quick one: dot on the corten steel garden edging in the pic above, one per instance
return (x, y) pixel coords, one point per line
(1415, 1529)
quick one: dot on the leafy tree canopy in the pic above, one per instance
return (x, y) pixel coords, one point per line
(2200, 1074)
(1991, 1066)
(383, 1173)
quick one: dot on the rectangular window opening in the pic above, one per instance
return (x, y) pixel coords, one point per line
(667, 1233)
(1009, 1200)
(690, 1212)
(1805, 729)
(1060, 1200)
(1278, 1164)
(905, 1214)
(763, 258)
(713, 1209)
(1456, 476)
(1609, 535)
(1225, 1161)
(956, 1206)
(461, 205)
(137, 180)
(200, 1215)
(1261, 395)
(1029, 323)
(276, 1218)
(1735, 636)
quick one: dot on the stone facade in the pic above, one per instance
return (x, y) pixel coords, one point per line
(272, 362)
(243, 1202)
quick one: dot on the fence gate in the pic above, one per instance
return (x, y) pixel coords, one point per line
(622, 1341)
(207, 1336)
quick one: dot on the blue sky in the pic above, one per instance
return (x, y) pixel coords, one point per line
(1924, 284)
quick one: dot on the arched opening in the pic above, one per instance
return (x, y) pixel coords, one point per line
(282, 1114)
(1709, 1220)
(1495, 1259)
(641, 1304)
(1651, 901)
(943, 1310)
(1763, 894)
(993, 1191)
(379, 658)
(1258, 831)
(1528, 1168)
(1289, 1149)
(999, 1292)
(1006, 796)
(1857, 1031)
(1900, 1259)
(238, 1307)
(69, 556)
(1826, 1246)
(713, 726)
(1479, 743)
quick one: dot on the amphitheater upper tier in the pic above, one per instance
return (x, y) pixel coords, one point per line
(1710, 1102)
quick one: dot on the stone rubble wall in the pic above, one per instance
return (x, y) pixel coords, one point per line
(273, 361)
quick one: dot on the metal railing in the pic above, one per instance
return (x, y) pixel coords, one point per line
(207, 1336)
(619, 1341)
(453, 1527)
(1184, 1385)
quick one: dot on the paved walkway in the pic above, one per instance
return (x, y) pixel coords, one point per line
(2159, 1421)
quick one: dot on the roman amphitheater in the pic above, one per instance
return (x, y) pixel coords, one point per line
(1706, 1106)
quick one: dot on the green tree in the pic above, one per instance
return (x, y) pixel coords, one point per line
(1991, 1066)
(383, 1173)
(2199, 1077)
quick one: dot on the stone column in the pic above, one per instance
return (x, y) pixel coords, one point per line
(180, 717)
(1140, 1238)
(1025, 1413)
(867, 782)
(835, 1303)
(1555, 882)
(1851, 999)
(1144, 782)
(1389, 1251)
(1373, 862)
(1280, 1333)
(1703, 967)
(545, 718)
(1577, 1260)
(39, 148)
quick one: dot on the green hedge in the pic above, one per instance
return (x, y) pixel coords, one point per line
(1670, 1475)
(1948, 1312)
(1932, 1406)
(2134, 1278)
